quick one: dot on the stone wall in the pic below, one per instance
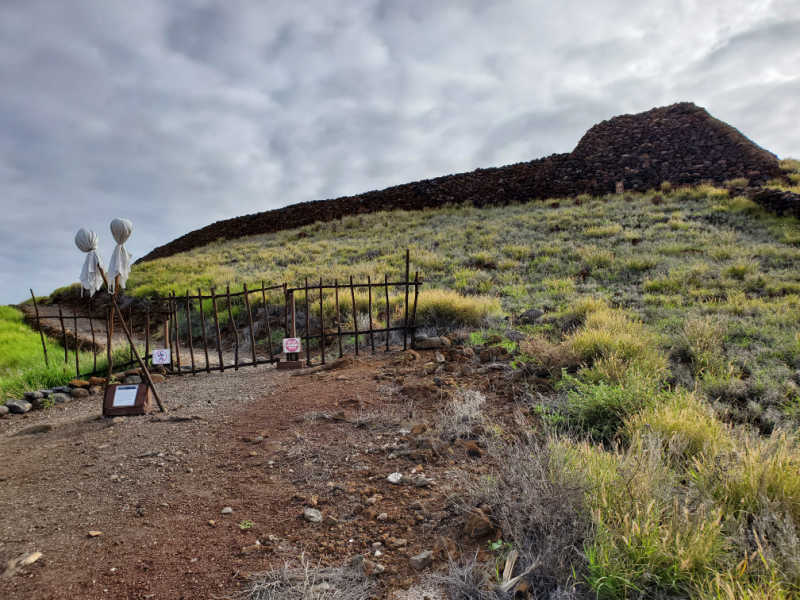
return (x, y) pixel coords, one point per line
(681, 144)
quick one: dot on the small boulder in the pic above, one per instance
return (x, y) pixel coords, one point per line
(18, 407)
(79, 383)
(59, 398)
(312, 515)
(478, 524)
(95, 389)
(395, 478)
(421, 561)
(157, 378)
(33, 396)
(3, 410)
(79, 393)
(132, 380)
(97, 380)
(130, 372)
(227, 510)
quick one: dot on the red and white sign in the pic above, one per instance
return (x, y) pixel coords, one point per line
(161, 356)
(291, 345)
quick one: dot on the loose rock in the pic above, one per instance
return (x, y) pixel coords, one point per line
(3, 410)
(478, 524)
(227, 510)
(422, 560)
(18, 407)
(312, 515)
(79, 393)
(395, 478)
(59, 398)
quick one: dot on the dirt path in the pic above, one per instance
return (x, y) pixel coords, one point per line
(260, 441)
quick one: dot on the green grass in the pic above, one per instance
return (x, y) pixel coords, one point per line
(22, 366)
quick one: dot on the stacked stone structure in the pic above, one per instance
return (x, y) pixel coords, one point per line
(681, 143)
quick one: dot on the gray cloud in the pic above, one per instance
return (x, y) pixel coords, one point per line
(179, 114)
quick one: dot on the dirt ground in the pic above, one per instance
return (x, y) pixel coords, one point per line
(263, 442)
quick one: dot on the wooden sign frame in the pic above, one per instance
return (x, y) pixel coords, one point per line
(141, 406)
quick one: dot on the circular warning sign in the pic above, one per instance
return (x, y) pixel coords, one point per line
(291, 345)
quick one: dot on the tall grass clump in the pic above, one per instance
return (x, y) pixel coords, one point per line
(442, 307)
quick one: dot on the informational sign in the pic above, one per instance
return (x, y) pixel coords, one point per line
(291, 345)
(125, 395)
(161, 356)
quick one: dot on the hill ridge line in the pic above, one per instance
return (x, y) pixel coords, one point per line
(681, 143)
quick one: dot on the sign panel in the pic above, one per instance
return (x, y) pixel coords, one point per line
(291, 345)
(161, 356)
(125, 395)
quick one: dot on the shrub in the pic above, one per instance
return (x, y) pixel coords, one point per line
(703, 338)
(446, 308)
(602, 231)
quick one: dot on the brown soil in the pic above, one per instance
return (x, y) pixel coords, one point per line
(156, 487)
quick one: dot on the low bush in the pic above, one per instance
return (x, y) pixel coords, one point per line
(443, 308)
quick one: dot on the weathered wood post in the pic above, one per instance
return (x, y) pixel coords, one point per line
(39, 327)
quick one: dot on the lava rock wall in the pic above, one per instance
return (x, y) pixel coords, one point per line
(681, 143)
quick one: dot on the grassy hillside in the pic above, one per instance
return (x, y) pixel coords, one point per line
(658, 453)
(707, 273)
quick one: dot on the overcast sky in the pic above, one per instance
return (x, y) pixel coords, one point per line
(178, 114)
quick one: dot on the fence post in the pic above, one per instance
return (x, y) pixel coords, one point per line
(189, 329)
(308, 329)
(233, 327)
(216, 324)
(39, 327)
(63, 334)
(203, 326)
(414, 312)
(147, 334)
(405, 320)
(388, 310)
(355, 313)
(338, 318)
(321, 323)
(369, 311)
(109, 336)
(250, 321)
(266, 316)
(177, 331)
(75, 326)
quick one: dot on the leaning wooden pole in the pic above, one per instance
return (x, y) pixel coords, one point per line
(233, 330)
(405, 320)
(266, 317)
(39, 327)
(216, 324)
(338, 318)
(189, 330)
(203, 327)
(63, 334)
(388, 310)
(250, 323)
(355, 312)
(176, 333)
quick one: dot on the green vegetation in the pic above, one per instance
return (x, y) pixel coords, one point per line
(22, 366)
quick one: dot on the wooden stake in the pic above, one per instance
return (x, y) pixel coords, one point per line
(388, 310)
(233, 328)
(338, 318)
(203, 326)
(167, 341)
(216, 323)
(39, 327)
(405, 320)
(266, 316)
(355, 313)
(130, 323)
(286, 312)
(63, 334)
(308, 329)
(321, 324)
(189, 329)
(75, 326)
(369, 309)
(250, 321)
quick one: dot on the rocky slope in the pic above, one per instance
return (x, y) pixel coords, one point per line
(681, 143)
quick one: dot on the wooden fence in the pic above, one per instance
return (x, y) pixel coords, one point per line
(194, 325)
